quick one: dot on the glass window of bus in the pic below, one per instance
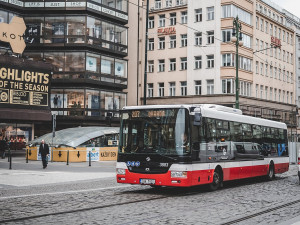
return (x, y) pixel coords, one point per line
(236, 132)
(223, 133)
(211, 130)
(247, 132)
(257, 134)
(162, 131)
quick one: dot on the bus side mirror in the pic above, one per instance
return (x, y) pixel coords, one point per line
(197, 119)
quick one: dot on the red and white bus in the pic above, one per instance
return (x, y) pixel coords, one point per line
(188, 145)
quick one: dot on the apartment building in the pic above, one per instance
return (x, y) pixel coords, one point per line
(200, 67)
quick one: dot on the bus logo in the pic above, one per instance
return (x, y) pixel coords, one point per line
(148, 159)
(147, 169)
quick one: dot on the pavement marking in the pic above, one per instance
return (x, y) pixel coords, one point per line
(65, 192)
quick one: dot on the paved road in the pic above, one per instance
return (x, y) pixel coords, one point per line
(98, 199)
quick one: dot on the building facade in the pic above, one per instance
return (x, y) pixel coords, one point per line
(200, 67)
(87, 43)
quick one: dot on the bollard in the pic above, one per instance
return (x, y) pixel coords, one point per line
(8, 155)
(26, 155)
(90, 159)
(68, 158)
(10, 160)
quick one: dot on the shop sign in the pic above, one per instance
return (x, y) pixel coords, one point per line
(122, 16)
(76, 4)
(166, 31)
(108, 11)
(94, 7)
(34, 4)
(20, 86)
(275, 42)
(55, 4)
(16, 2)
(13, 34)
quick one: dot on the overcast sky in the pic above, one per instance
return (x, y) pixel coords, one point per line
(292, 6)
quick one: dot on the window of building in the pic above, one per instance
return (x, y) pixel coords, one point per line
(172, 64)
(271, 71)
(210, 87)
(228, 59)
(256, 22)
(261, 68)
(226, 35)
(197, 87)
(161, 65)
(210, 37)
(233, 11)
(161, 43)
(283, 35)
(151, 44)
(183, 40)
(210, 61)
(256, 90)
(228, 86)
(161, 89)
(151, 22)
(198, 38)
(266, 68)
(271, 29)
(266, 93)
(261, 24)
(279, 33)
(184, 17)
(172, 19)
(150, 90)
(173, 41)
(183, 88)
(287, 37)
(162, 20)
(210, 13)
(198, 15)
(150, 66)
(256, 67)
(198, 62)
(172, 89)
(261, 91)
(275, 94)
(271, 94)
(183, 63)
(267, 27)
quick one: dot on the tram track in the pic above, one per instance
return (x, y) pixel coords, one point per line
(262, 212)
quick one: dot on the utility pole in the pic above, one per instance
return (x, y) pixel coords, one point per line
(237, 38)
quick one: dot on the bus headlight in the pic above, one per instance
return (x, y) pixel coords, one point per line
(178, 174)
(121, 171)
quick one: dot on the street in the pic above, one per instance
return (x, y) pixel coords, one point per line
(74, 195)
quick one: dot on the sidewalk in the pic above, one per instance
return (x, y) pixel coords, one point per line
(26, 174)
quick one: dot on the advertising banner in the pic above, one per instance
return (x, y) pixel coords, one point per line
(24, 86)
(94, 153)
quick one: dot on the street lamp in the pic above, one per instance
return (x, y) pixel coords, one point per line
(237, 38)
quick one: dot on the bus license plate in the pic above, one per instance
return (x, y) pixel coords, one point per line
(147, 181)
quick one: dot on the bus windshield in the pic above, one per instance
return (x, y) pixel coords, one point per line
(157, 131)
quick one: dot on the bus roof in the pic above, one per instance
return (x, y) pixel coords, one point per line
(217, 112)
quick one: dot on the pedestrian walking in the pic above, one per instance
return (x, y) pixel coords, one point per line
(3, 147)
(44, 151)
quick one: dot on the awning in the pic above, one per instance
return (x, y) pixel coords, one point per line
(75, 136)
(25, 114)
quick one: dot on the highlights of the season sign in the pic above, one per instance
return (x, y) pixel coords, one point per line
(24, 87)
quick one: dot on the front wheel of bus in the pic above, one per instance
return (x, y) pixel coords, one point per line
(217, 180)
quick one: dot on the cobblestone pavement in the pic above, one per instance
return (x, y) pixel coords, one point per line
(103, 201)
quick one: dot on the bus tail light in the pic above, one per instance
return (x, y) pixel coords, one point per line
(121, 171)
(299, 161)
(178, 174)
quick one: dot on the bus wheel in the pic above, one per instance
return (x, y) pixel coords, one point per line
(271, 173)
(217, 180)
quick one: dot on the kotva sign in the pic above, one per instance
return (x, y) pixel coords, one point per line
(13, 34)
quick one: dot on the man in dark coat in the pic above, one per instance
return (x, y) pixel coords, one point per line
(44, 151)
(3, 147)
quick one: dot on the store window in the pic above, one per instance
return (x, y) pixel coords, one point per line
(121, 68)
(57, 101)
(76, 28)
(57, 59)
(74, 102)
(33, 33)
(107, 65)
(93, 63)
(92, 102)
(54, 30)
(75, 61)
(107, 102)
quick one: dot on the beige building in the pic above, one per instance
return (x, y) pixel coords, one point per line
(191, 58)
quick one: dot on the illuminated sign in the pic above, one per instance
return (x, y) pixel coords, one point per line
(20, 86)
(166, 31)
(13, 34)
(153, 113)
(275, 42)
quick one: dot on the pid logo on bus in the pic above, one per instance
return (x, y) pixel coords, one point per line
(133, 163)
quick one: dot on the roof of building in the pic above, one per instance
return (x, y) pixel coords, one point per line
(76, 136)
